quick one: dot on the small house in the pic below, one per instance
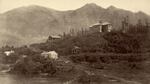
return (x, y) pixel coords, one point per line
(101, 27)
(53, 37)
(8, 53)
(76, 50)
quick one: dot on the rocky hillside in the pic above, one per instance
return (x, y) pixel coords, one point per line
(34, 23)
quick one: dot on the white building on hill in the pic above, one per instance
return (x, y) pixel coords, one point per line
(101, 27)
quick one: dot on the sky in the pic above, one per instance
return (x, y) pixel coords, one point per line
(132, 5)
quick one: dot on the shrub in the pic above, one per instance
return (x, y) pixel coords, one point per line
(33, 65)
(84, 78)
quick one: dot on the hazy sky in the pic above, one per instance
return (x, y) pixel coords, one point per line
(134, 5)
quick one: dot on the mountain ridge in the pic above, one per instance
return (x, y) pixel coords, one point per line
(37, 22)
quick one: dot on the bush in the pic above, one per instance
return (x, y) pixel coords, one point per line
(122, 43)
(33, 65)
(107, 58)
(84, 78)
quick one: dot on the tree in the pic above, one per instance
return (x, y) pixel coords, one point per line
(125, 24)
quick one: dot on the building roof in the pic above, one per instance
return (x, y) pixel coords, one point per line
(101, 23)
(55, 36)
(105, 23)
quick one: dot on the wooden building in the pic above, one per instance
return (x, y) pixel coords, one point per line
(101, 27)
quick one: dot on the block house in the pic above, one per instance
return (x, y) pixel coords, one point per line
(52, 38)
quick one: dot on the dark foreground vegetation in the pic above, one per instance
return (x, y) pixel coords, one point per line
(113, 51)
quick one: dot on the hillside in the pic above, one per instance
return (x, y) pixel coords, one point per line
(36, 22)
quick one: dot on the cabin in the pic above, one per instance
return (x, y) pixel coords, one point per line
(8, 53)
(9, 56)
(76, 50)
(53, 38)
(101, 26)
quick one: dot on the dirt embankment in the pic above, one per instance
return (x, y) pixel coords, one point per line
(82, 73)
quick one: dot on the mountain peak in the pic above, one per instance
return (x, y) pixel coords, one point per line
(141, 12)
(111, 7)
(91, 5)
(31, 9)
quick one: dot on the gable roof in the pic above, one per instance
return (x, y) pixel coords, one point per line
(55, 36)
(100, 23)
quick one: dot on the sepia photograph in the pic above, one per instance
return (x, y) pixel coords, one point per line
(74, 41)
